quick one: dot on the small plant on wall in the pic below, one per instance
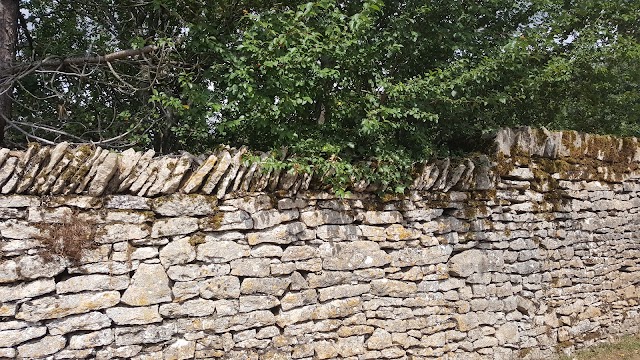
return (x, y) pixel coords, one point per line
(68, 238)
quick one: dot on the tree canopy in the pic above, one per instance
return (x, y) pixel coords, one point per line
(385, 82)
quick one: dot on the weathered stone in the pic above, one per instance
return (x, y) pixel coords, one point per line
(195, 180)
(342, 291)
(236, 162)
(15, 229)
(296, 299)
(93, 339)
(393, 288)
(92, 283)
(268, 286)
(174, 226)
(177, 252)
(27, 290)
(104, 173)
(380, 339)
(147, 334)
(84, 322)
(149, 285)
(338, 232)
(46, 346)
(8, 310)
(258, 302)
(221, 251)
(180, 350)
(322, 217)
(10, 338)
(195, 271)
(128, 202)
(111, 233)
(420, 256)
(281, 234)
(268, 218)
(190, 308)
(184, 205)
(224, 160)
(180, 169)
(250, 267)
(65, 305)
(134, 315)
(352, 255)
(223, 287)
(468, 262)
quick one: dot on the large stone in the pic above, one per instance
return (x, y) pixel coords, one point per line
(321, 217)
(342, 291)
(147, 334)
(268, 218)
(10, 338)
(185, 205)
(112, 233)
(281, 234)
(268, 286)
(468, 262)
(91, 321)
(178, 252)
(134, 315)
(180, 350)
(8, 271)
(174, 226)
(380, 217)
(27, 290)
(250, 267)
(352, 255)
(420, 256)
(16, 229)
(189, 308)
(174, 180)
(92, 283)
(393, 288)
(215, 251)
(258, 302)
(91, 340)
(224, 160)
(46, 346)
(380, 339)
(223, 287)
(197, 271)
(65, 305)
(195, 180)
(150, 285)
(104, 173)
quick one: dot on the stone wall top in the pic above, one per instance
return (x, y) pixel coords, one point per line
(65, 169)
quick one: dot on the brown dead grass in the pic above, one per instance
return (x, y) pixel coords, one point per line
(68, 239)
(627, 348)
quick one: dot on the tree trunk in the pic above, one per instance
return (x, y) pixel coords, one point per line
(8, 40)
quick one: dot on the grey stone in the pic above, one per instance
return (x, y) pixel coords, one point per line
(10, 338)
(26, 290)
(92, 283)
(174, 226)
(221, 251)
(149, 285)
(185, 205)
(281, 234)
(222, 287)
(352, 255)
(134, 315)
(65, 305)
(46, 346)
(178, 252)
(90, 321)
(468, 262)
(90, 340)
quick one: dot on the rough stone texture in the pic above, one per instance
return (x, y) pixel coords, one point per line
(517, 255)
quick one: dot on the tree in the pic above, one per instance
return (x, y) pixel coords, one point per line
(8, 40)
(386, 82)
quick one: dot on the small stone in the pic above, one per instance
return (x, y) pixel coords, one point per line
(342, 291)
(147, 334)
(250, 267)
(112, 233)
(127, 202)
(150, 285)
(181, 349)
(268, 286)
(104, 173)
(281, 234)
(268, 218)
(296, 299)
(468, 262)
(221, 251)
(258, 302)
(325, 216)
(380, 217)
(195, 180)
(189, 308)
(352, 255)
(185, 205)
(197, 271)
(134, 315)
(325, 350)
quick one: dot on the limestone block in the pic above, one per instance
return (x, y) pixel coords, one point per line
(197, 271)
(46, 346)
(36, 266)
(178, 252)
(393, 288)
(134, 315)
(180, 170)
(293, 253)
(174, 226)
(90, 340)
(189, 308)
(127, 202)
(268, 286)
(16, 229)
(321, 217)
(180, 350)
(112, 233)
(214, 251)
(338, 232)
(145, 334)
(85, 322)
(250, 267)
(149, 285)
(258, 302)
(184, 205)
(352, 255)
(10, 338)
(224, 160)
(104, 173)
(92, 283)
(281, 234)
(222, 287)
(468, 262)
(195, 180)
(268, 218)
(65, 305)
(26, 290)
(296, 299)
(380, 339)
(420, 256)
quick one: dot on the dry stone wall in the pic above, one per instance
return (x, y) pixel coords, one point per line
(523, 254)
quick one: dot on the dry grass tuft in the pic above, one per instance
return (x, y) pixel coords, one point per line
(68, 239)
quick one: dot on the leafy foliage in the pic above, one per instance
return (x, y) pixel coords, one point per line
(356, 90)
